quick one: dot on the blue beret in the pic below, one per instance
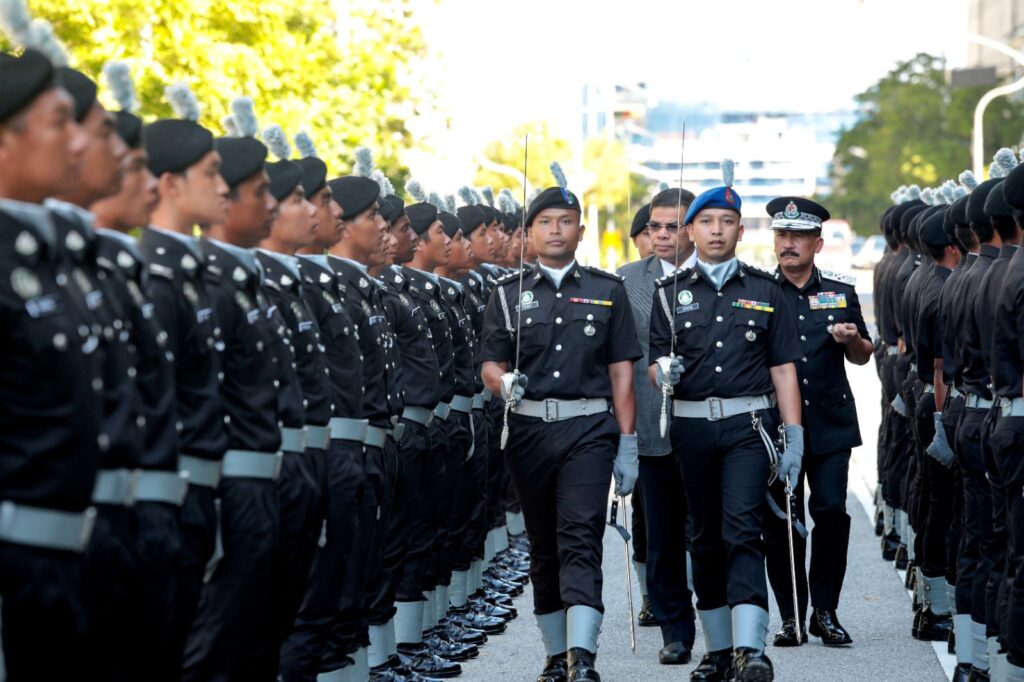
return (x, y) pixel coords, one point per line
(717, 197)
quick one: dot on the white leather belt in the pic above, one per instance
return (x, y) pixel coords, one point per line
(396, 432)
(462, 403)
(47, 528)
(168, 487)
(420, 415)
(115, 487)
(955, 392)
(912, 368)
(1011, 407)
(203, 472)
(442, 410)
(318, 436)
(478, 401)
(556, 410)
(928, 388)
(343, 428)
(375, 436)
(714, 409)
(892, 350)
(293, 440)
(978, 402)
(251, 464)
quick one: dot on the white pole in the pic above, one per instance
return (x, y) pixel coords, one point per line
(978, 134)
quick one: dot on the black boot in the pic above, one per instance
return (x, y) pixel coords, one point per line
(752, 665)
(979, 675)
(890, 543)
(962, 672)
(556, 669)
(901, 557)
(879, 522)
(581, 666)
(645, 618)
(951, 643)
(825, 624)
(786, 636)
(674, 653)
(911, 578)
(716, 666)
(929, 627)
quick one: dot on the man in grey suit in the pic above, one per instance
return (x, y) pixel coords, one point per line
(660, 484)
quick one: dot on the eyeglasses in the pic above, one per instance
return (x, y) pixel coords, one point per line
(654, 228)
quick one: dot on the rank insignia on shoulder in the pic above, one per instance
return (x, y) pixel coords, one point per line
(753, 305)
(838, 277)
(827, 300)
(591, 301)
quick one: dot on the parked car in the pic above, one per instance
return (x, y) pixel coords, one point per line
(870, 252)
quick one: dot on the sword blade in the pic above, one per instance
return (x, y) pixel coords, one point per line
(629, 584)
(792, 561)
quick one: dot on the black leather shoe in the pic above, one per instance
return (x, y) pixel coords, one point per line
(674, 653)
(581, 666)
(512, 563)
(469, 618)
(879, 522)
(403, 672)
(825, 624)
(978, 675)
(508, 576)
(556, 669)
(928, 627)
(462, 635)
(752, 665)
(786, 636)
(901, 558)
(496, 598)
(890, 544)
(962, 672)
(911, 578)
(645, 618)
(421, 660)
(716, 666)
(449, 650)
(951, 643)
(501, 586)
(491, 611)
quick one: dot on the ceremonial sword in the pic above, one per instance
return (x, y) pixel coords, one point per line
(510, 403)
(666, 385)
(790, 500)
(629, 575)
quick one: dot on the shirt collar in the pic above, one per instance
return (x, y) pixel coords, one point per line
(667, 268)
(247, 257)
(290, 263)
(717, 274)
(35, 215)
(429, 275)
(556, 275)
(190, 243)
(126, 240)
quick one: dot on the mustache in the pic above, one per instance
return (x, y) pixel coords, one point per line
(789, 252)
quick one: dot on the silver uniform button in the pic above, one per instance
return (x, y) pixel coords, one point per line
(719, 318)
(718, 369)
(558, 320)
(558, 347)
(556, 374)
(719, 344)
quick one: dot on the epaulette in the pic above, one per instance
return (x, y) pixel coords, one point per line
(505, 279)
(604, 273)
(667, 279)
(161, 271)
(272, 284)
(105, 263)
(838, 277)
(751, 270)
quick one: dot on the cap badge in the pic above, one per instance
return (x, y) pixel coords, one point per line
(25, 283)
(791, 212)
(729, 196)
(685, 297)
(566, 196)
(26, 244)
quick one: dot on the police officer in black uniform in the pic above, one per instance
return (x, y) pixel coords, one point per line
(832, 331)
(732, 363)
(573, 328)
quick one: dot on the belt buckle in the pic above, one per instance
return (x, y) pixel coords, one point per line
(715, 406)
(550, 409)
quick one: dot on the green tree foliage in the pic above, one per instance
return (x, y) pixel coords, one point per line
(914, 129)
(345, 79)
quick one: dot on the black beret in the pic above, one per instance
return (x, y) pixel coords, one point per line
(450, 223)
(490, 215)
(907, 214)
(949, 222)
(931, 230)
(915, 215)
(285, 176)
(1013, 187)
(391, 208)
(240, 158)
(896, 217)
(640, 220)
(976, 202)
(24, 78)
(958, 212)
(472, 217)
(421, 216)
(996, 205)
(552, 197)
(82, 88)
(314, 174)
(174, 144)
(354, 194)
(129, 128)
(509, 222)
(884, 222)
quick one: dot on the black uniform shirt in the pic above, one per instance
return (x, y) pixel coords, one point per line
(568, 335)
(50, 408)
(985, 304)
(464, 341)
(928, 339)
(394, 374)
(880, 282)
(474, 298)
(727, 340)
(911, 305)
(952, 306)
(898, 288)
(422, 289)
(301, 339)
(829, 412)
(362, 301)
(155, 362)
(972, 362)
(183, 309)
(885, 299)
(249, 356)
(323, 293)
(420, 384)
(1008, 332)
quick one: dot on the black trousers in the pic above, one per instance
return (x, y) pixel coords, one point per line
(447, 543)
(827, 475)
(198, 526)
(333, 591)
(159, 551)
(383, 571)
(725, 470)
(480, 464)
(638, 525)
(561, 472)
(437, 504)
(408, 522)
(235, 595)
(936, 507)
(468, 490)
(1007, 444)
(111, 586)
(977, 542)
(419, 563)
(43, 613)
(497, 474)
(900, 442)
(298, 499)
(665, 511)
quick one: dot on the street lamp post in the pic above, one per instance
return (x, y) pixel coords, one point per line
(978, 136)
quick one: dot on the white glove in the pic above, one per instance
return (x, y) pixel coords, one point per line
(673, 367)
(898, 405)
(513, 386)
(939, 447)
(627, 464)
(789, 467)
